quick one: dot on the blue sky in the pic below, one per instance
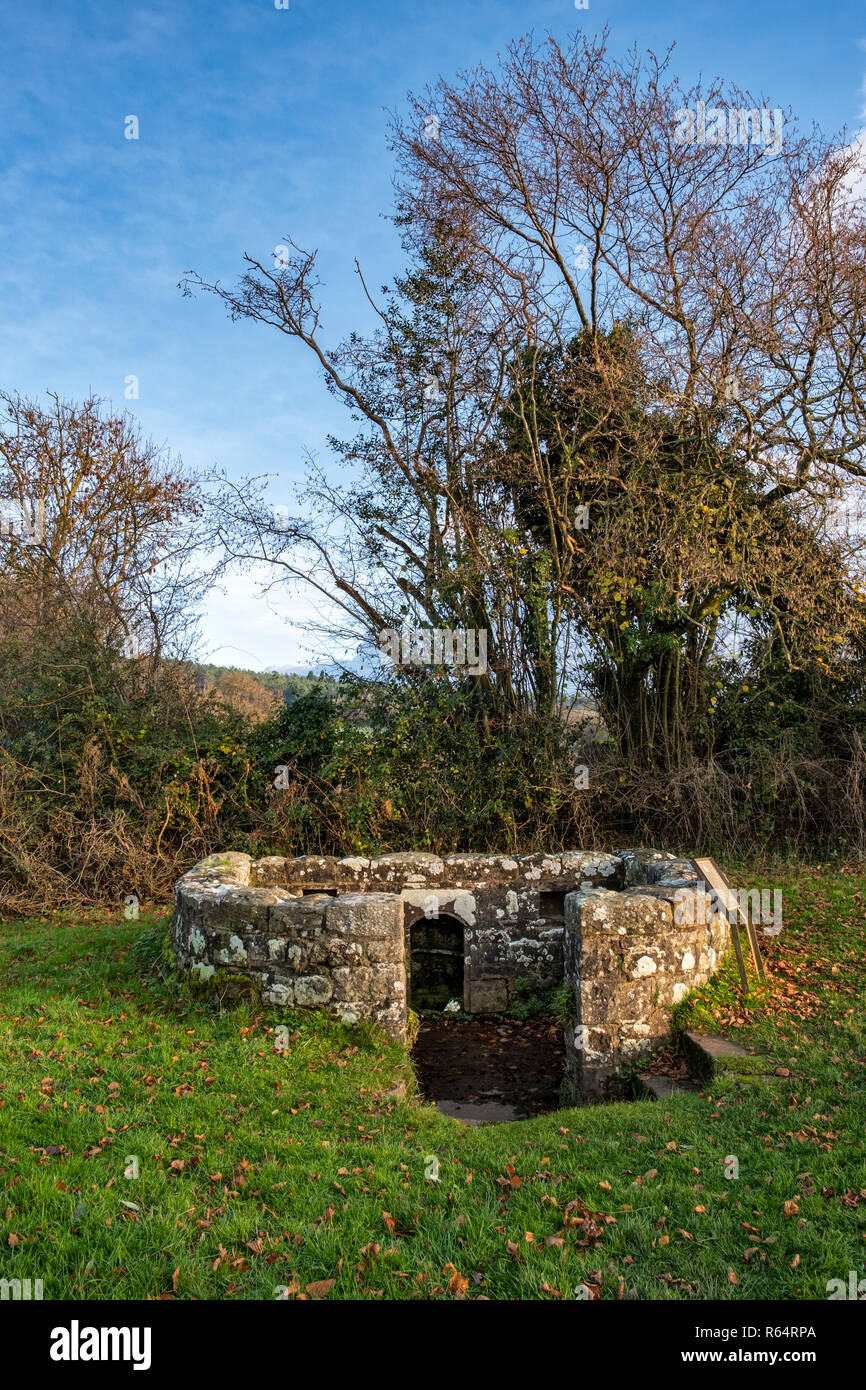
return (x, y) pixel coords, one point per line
(255, 124)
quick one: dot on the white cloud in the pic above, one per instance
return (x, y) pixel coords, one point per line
(243, 627)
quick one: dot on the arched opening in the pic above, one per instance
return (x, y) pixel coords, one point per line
(435, 962)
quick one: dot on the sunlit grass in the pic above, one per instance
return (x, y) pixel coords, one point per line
(261, 1171)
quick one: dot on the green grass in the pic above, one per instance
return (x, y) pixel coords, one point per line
(261, 1169)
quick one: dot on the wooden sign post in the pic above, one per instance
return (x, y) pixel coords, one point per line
(709, 871)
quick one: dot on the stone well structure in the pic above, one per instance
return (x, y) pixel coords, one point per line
(341, 935)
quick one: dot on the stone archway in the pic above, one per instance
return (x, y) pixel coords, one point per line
(436, 961)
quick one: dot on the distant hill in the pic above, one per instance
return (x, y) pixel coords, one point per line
(255, 693)
(333, 669)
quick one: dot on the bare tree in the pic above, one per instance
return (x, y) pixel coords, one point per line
(609, 313)
(100, 523)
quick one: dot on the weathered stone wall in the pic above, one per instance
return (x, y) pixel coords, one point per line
(344, 954)
(334, 934)
(511, 907)
(629, 958)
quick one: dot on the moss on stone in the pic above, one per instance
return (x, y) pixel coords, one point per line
(227, 987)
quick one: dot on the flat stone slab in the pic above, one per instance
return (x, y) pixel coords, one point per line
(663, 1087)
(703, 1049)
(479, 1112)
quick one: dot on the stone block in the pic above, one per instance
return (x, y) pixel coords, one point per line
(230, 865)
(365, 915)
(352, 872)
(434, 901)
(293, 916)
(341, 950)
(259, 948)
(471, 869)
(406, 870)
(305, 953)
(312, 990)
(231, 949)
(631, 913)
(312, 871)
(392, 1020)
(278, 992)
(243, 910)
(595, 869)
(643, 866)
(488, 996)
(269, 872)
(384, 951)
(703, 1050)
(537, 868)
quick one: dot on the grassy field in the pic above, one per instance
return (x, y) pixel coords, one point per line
(264, 1173)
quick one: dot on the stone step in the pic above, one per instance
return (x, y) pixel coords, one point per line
(702, 1050)
(480, 1112)
(663, 1087)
